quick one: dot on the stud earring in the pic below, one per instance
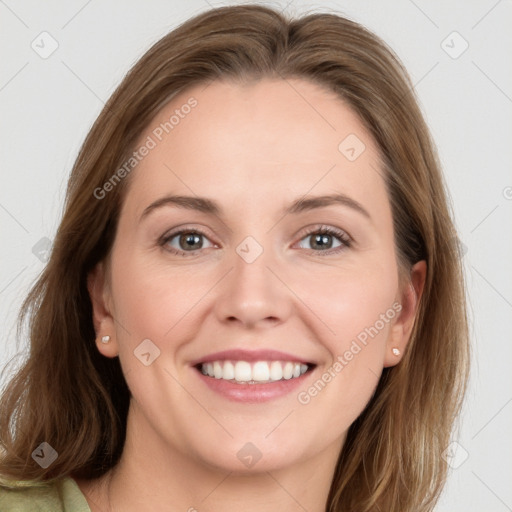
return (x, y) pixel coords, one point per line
(105, 339)
(395, 351)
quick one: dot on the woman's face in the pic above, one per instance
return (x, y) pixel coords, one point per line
(253, 289)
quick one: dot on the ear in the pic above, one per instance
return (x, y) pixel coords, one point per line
(401, 330)
(104, 324)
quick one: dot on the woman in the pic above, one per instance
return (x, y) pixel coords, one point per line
(254, 296)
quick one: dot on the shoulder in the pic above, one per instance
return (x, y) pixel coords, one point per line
(62, 495)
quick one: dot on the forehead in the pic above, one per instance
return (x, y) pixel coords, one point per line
(228, 140)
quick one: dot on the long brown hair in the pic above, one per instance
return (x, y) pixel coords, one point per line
(68, 395)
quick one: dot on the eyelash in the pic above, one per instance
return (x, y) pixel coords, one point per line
(322, 230)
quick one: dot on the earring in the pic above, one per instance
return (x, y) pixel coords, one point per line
(395, 351)
(105, 339)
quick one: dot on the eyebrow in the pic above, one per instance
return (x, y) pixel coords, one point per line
(211, 207)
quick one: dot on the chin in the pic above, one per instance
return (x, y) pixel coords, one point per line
(244, 458)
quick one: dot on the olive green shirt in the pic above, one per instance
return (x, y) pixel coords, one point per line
(61, 495)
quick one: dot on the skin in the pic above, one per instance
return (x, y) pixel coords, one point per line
(253, 149)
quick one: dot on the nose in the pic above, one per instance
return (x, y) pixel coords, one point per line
(254, 292)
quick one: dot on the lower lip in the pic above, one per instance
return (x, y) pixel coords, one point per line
(253, 393)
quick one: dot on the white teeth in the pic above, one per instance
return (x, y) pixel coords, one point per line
(288, 371)
(243, 371)
(276, 370)
(228, 372)
(217, 370)
(260, 371)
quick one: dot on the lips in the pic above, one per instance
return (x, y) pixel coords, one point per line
(252, 376)
(252, 356)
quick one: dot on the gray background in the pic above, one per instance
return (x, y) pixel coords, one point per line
(48, 105)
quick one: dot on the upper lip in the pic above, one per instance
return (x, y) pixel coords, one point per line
(250, 356)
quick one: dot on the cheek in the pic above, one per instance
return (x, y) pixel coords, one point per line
(349, 300)
(358, 312)
(156, 301)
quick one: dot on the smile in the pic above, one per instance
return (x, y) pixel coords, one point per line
(257, 372)
(254, 376)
